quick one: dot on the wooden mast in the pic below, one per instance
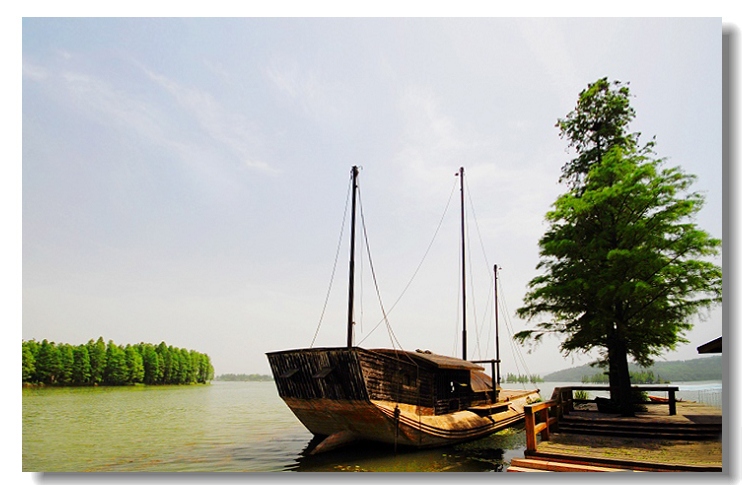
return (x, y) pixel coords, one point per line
(463, 266)
(497, 334)
(351, 284)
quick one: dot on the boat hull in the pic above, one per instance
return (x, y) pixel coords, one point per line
(410, 427)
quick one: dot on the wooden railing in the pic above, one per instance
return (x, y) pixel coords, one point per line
(540, 412)
(562, 402)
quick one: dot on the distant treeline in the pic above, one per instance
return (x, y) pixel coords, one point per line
(98, 363)
(244, 377)
(645, 377)
(523, 379)
(701, 369)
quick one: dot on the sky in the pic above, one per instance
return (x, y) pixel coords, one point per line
(185, 179)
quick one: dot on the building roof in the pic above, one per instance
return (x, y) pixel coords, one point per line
(713, 347)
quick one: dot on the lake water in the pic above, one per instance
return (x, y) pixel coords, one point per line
(222, 427)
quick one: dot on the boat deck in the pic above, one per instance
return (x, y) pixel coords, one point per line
(510, 394)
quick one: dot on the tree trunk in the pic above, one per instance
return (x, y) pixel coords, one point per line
(619, 378)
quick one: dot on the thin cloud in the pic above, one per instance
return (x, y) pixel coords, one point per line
(231, 130)
(34, 72)
(319, 97)
(230, 135)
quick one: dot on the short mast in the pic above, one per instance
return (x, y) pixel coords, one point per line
(497, 334)
(463, 266)
(351, 284)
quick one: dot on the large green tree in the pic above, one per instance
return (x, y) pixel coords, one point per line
(134, 364)
(97, 356)
(48, 363)
(116, 372)
(28, 366)
(625, 267)
(81, 365)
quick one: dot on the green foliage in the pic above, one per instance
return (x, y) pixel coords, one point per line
(28, 366)
(134, 364)
(618, 261)
(701, 369)
(115, 372)
(97, 354)
(522, 379)
(81, 365)
(596, 125)
(98, 363)
(580, 394)
(640, 377)
(66, 363)
(244, 377)
(623, 260)
(625, 267)
(48, 363)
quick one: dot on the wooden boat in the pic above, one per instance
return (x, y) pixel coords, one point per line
(416, 399)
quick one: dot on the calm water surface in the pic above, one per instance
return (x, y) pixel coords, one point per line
(225, 426)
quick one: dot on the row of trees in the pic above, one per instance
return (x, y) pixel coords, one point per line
(522, 379)
(701, 369)
(642, 377)
(244, 378)
(101, 363)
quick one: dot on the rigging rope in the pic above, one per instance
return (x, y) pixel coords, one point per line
(392, 337)
(334, 265)
(412, 278)
(478, 327)
(514, 347)
(518, 358)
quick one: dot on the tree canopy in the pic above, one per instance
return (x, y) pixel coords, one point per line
(596, 125)
(625, 266)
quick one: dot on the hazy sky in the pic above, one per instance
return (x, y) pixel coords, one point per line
(184, 180)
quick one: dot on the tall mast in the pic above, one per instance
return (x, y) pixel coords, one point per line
(351, 283)
(463, 265)
(497, 333)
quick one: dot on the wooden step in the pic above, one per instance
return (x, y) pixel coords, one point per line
(512, 468)
(688, 432)
(632, 422)
(555, 466)
(647, 428)
(620, 463)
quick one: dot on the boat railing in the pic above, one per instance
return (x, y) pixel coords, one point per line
(491, 362)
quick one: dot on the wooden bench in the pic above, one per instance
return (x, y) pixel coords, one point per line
(561, 391)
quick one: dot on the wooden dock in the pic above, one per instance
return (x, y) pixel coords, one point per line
(586, 440)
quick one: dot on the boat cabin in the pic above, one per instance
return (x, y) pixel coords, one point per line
(436, 384)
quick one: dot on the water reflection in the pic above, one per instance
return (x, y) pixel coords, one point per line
(490, 454)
